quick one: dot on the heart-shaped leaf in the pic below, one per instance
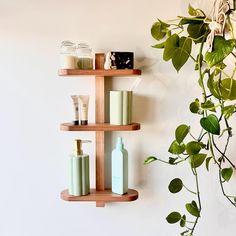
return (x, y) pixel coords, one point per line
(158, 30)
(227, 173)
(182, 53)
(149, 160)
(193, 147)
(192, 208)
(197, 160)
(170, 46)
(181, 132)
(211, 124)
(196, 29)
(213, 86)
(221, 49)
(173, 217)
(195, 106)
(228, 89)
(175, 185)
(176, 148)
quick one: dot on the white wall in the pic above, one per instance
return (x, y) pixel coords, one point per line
(34, 101)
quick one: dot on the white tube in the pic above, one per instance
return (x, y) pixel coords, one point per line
(75, 99)
(83, 103)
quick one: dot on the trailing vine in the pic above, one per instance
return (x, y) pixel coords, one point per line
(213, 39)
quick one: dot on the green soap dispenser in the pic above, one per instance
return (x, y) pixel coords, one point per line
(79, 181)
(119, 168)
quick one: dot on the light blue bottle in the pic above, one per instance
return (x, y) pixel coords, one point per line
(119, 168)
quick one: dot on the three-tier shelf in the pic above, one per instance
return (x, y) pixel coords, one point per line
(100, 195)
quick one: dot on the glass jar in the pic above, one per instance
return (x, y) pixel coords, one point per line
(85, 57)
(68, 55)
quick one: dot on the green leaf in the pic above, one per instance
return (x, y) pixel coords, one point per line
(197, 30)
(182, 53)
(172, 160)
(196, 160)
(221, 49)
(192, 208)
(194, 12)
(211, 124)
(150, 159)
(213, 86)
(208, 105)
(208, 162)
(181, 132)
(235, 199)
(159, 45)
(173, 217)
(228, 111)
(170, 45)
(227, 173)
(183, 221)
(228, 89)
(176, 148)
(219, 67)
(193, 147)
(175, 185)
(188, 20)
(158, 30)
(195, 106)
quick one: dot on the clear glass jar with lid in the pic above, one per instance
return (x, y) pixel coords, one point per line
(68, 55)
(85, 57)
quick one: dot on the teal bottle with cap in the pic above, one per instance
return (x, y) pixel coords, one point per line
(119, 168)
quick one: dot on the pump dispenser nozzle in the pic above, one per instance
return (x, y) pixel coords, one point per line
(119, 144)
(78, 146)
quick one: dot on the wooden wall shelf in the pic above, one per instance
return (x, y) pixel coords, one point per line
(99, 127)
(99, 72)
(102, 196)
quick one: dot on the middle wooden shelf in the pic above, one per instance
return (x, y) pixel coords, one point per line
(99, 127)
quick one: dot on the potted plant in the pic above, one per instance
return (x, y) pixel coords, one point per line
(212, 37)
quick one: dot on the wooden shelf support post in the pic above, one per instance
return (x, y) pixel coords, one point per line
(100, 135)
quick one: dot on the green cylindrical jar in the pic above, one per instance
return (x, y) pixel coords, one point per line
(84, 57)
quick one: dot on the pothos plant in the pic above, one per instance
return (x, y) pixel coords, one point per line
(179, 40)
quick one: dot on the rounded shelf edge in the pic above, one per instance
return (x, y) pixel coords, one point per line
(104, 196)
(99, 127)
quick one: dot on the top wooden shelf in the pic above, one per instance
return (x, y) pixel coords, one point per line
(99, 72)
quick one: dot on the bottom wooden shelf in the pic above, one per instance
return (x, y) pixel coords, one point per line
(102, 196)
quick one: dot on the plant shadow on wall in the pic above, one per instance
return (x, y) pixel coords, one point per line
(212, 37)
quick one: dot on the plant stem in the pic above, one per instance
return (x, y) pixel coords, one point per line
(189, 190)
(223, 191)
(199, 199)
(223, 153)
